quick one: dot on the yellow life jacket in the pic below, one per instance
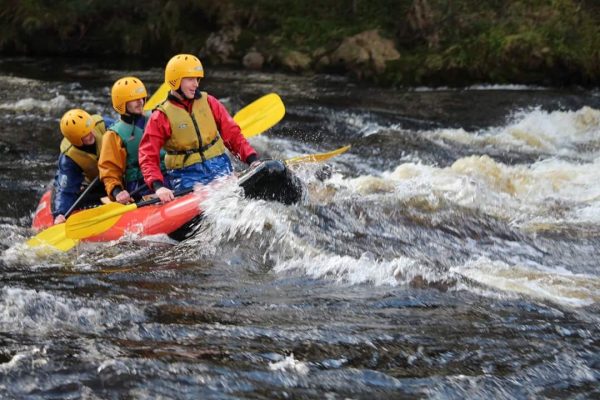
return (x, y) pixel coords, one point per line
(87, 161)
(194, 136)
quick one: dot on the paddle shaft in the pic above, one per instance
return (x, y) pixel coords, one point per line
(97, 220)
(300, 159)
(138, 189)
(106, 199)
(295, 160)
(157, 200)
(317, 157)
(82, 196)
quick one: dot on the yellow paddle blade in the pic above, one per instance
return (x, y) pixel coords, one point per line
(319, 157)
(260, 115)
(54, 237)
(158, 97)
(94, 221)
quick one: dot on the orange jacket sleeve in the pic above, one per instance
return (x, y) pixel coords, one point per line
(112, 162)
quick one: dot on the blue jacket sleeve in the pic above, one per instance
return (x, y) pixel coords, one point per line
(67, 185)
(108, 121)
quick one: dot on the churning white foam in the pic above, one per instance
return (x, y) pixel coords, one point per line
(560, 133)
(227, 214)
(549, 191)
(290, 364)
(55, 104)
(366, 269)
(552, 284)
(34, 311)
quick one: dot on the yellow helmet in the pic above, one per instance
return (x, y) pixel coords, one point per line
(75, 124)
(126, 89)
(182, 66)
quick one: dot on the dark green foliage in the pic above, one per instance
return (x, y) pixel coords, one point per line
(118, 27)
(440, 41)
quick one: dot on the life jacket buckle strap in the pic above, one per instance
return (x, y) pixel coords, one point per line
(200, 150)
(188, 152)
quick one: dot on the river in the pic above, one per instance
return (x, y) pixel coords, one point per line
(451, 253)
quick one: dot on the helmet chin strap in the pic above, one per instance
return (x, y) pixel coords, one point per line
(132, 114)
(130, 117)
(197, 94)
(180, 92)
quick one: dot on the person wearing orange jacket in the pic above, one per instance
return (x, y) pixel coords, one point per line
(78, 160)
(118, 164)
(194, 128)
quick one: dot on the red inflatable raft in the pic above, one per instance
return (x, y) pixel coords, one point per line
(270, 180)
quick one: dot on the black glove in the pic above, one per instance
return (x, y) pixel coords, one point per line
(251, 158)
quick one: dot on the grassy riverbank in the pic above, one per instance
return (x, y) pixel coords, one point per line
(440, 42)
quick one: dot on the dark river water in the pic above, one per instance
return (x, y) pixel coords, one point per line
(453, 252)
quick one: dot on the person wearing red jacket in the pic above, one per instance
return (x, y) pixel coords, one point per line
(194, 128)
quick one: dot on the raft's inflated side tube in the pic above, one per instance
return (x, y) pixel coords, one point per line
(186, 230)
(271, 180)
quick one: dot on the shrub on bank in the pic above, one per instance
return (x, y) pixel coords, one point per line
(434, 41)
